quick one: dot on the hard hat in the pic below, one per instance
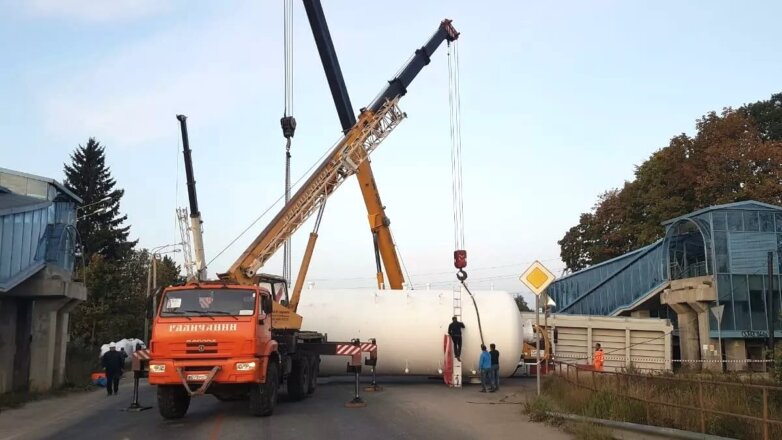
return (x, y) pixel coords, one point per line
(112, 345)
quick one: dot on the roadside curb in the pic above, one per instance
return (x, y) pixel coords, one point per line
(628, 427)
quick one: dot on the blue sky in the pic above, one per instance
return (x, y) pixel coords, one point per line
(559, 101)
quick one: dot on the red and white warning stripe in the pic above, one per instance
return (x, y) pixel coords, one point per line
(368, 346)
(141, 354)
(348, 349)
(352, 349)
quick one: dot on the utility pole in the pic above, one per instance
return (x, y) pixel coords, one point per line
(770, 303)
(152, 285)
(146, 314)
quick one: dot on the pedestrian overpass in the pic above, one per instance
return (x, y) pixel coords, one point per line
(37, 292)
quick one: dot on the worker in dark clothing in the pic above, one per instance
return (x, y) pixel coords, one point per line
(112, 362)
(123, 354)
(495, 368)
(455, 332)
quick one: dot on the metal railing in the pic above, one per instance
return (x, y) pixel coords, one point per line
(621, 383)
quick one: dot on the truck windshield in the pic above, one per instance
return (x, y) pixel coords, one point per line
(208, 302)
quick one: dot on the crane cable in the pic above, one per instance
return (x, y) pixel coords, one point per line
(454, 103)
(288, 123)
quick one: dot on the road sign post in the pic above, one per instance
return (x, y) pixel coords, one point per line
(537, 278)
(537, 342)
(717, 311)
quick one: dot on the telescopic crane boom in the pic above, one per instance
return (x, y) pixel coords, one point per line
(372, 126)
(196, 223)
(379, 223)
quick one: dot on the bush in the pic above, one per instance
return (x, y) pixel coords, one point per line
(81, 361)
(539, 408)
(777, 371)
(606, 405)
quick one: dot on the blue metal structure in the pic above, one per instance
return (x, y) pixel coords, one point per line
(612, 286)
(729, 243)
(37, 226)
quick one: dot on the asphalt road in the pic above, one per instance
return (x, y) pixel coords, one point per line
(407, 408)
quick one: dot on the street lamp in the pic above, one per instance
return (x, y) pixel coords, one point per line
(98, 211)
(103, 200)
(152, 281)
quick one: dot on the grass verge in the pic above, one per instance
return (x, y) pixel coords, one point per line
(638, 400)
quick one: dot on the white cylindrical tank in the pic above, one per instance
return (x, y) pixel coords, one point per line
(409, 326)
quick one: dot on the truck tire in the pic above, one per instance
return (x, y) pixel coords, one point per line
(263, 396)
(172, 401)
(298, 381)
(314, 371)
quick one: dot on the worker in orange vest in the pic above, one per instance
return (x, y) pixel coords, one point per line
(597, 358)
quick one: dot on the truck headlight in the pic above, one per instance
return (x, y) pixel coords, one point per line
(245, 366)
(157, 368)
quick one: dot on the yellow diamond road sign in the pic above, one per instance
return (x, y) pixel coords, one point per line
(537, 278)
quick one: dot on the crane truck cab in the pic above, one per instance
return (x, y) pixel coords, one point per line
(217, 338)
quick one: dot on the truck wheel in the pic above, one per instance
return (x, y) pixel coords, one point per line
(314, 371)
(172, 401)
(263, 396)
(298, 381)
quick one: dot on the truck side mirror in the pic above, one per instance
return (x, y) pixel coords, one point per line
(266, 304)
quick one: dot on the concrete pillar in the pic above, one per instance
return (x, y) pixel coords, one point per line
(7, 343)
(735, 349)
(61, 342)
(639, 314)
(688, 334)
(43, 343)
(704, 339)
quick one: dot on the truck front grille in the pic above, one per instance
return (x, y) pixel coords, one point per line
(201, 348)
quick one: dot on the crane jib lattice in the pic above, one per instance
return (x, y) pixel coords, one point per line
(342, 163)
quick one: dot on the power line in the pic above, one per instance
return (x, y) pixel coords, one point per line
(521, 266)
(280, 198)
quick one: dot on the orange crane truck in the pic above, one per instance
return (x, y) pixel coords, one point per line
(239, 337)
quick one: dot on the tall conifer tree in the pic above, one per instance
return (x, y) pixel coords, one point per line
(100, 222)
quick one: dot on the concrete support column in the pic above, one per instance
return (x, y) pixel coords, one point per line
(44, 342)
(7, 343)
(688, 333)
(61, 342)
(735, 349)
(704, 339)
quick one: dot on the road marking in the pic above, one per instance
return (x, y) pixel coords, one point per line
(214, 434)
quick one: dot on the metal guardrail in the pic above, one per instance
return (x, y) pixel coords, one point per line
(605, 381)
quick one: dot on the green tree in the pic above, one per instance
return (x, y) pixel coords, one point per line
(768, 116)
(521, 303)
(118, 298)
(117, 290)
(168, 272)
(734, 156)
(100, 224)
